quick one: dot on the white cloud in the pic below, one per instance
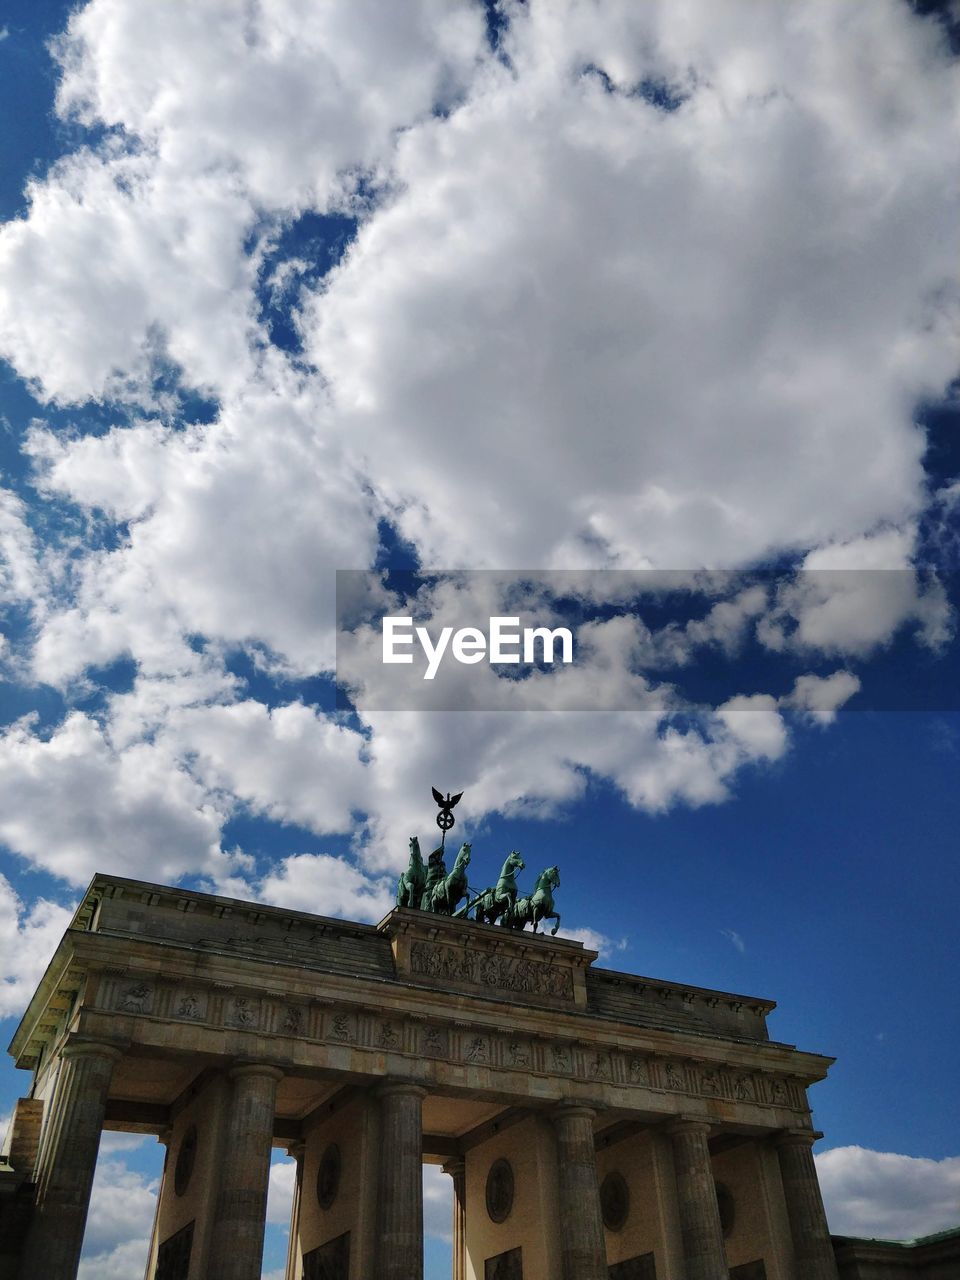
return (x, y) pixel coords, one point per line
(593, 365)
(137, 250)
(853, 597)
(889, 1196)
(122, 1206)
(28, 938)
(593, 940)
(236, 529)
(19, 578)
(283, 1179)
(735, 939)
(73, 806)
(112, 1141)
(302, 94)
(437, 1202)
(320, 883)
(292, 763)
(673, 392)
(123, 1262)
(819, 698)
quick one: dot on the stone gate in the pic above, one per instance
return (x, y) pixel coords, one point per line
(595, 1124)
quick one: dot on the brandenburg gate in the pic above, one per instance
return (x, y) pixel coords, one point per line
(595, 1124)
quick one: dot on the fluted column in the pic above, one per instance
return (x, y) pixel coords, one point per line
(583, 1250)
(63, 1194)
(400, 1183)
(236, 1247)
(704, 1255)
(296, 1151)
(457, 1170)
(812, 1247)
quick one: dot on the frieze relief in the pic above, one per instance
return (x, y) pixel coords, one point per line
(292, 1020)
(435, 1042)
(191, 1005)
(134, 997)
(488, 969)
(469, 1044)
(242, 1011)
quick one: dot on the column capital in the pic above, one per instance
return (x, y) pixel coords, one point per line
(394, 1088)
(255, 1069)
(91, 1048)
(455, 1165)
(570, 1110)
(796, 1137)
(687, 1124)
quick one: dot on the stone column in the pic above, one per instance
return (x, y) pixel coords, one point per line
(583, 1249)
(163, 1137)
(236, 1245)
(400, 1183)
(457, 1169)
(704, 1255)
(812, 1248)
(296, 1150)
(63, 1194)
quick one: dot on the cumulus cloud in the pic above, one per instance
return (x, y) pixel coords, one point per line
(853, 597)
(122, 1206)
(819, 698)
(683, 394)
(136, 252)
(18, 552)
(72, 805)
(320, 883)
(28, 938)
(889, 1196)
(667, 391)
(283, 1180)
(290, 763)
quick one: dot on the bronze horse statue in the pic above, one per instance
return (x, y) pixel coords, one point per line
(411, 884)
(448, 892)
(493, 903)
(539, 905)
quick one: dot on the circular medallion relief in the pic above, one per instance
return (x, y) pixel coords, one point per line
(727, 1206)
(500, 1190)
(614, 1201)
(328, 1176)
(186, 1157)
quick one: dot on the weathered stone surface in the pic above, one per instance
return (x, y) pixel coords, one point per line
(582, 1249)
(813, 1250)
(703, 1251)
(400, 1198)
(66, 1172)
(239, 1218)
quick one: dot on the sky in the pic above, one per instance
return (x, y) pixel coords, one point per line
(555, 298)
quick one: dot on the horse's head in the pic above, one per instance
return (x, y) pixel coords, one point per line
(514, 862)
(551, 877)
(463, 857)
(415, 850)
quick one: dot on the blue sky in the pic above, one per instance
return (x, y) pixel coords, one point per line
(539, 286)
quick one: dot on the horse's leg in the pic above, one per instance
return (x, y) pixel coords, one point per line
(554, 915)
